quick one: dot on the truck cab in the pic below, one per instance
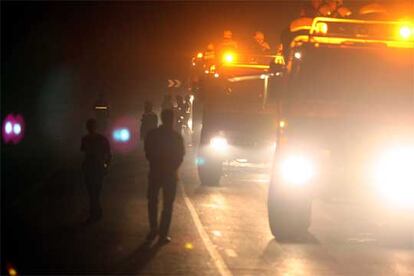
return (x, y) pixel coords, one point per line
(233, 117)
(346, 120)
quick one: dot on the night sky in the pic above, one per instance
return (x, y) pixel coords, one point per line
(122, 49)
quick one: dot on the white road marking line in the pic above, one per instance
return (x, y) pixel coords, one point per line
(214, 254)
(231, 253)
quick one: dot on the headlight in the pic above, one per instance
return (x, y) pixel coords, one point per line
(219, 144)
(394, 174)
(297, 170)
(406, 32)
(229, 57)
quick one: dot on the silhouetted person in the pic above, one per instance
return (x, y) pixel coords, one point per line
(167, 102)
(164, 149)
(149, 121)
(97, 157)
(260, 46)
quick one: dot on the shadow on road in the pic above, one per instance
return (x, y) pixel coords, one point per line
(137, 260)
(274, 247)
(304, 238)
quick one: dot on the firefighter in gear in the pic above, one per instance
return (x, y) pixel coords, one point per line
(164, 149)
(261, 46)
(311, 9)
(97, 158)
(228, 42)
(334, 8)
(209, 53)
(101, 110)
(149, 121)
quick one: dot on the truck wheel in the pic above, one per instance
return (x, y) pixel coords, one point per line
(289, 217)
(210, 171)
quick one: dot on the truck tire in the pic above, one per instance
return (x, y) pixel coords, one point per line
(289, 217)
(210, 171)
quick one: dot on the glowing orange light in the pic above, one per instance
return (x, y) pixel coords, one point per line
(405, 32)
(200, 55)
(321, 27)
(228, 57)
(279, 59)
(282, 124)
(188, 246)
(12, 271)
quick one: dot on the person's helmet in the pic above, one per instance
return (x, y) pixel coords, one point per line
(227, 34)
(259, 36)
(316, 4)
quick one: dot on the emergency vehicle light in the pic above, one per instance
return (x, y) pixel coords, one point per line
(121, 135)
(17, 129)
(8, 127)
(361, 29)
(406, 32)
(321, 28)
(229, 58)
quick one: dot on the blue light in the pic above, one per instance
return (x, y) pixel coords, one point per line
(17, 129)
(124, 135)
(121, 135)
(8, 127)
(200, 161)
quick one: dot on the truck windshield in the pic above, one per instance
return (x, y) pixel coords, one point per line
(366, 76)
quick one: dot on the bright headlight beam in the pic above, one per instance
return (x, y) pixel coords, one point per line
(405, 32)
(219, 143)
(297, 170)
(394, 175)
(228, 57)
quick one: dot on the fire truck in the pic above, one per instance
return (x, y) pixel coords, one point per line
(233, 115)
(345, 107)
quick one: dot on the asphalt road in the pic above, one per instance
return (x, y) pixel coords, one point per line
(216, 230)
